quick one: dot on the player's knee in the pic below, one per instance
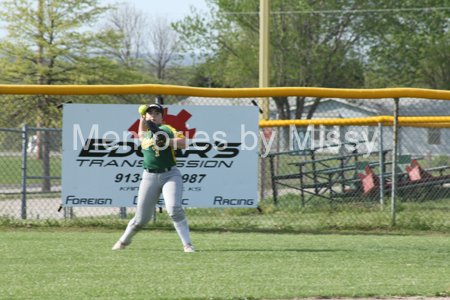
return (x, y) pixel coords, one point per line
(176, 213)
(139, 225)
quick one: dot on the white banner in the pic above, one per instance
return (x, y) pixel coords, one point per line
(102, 157)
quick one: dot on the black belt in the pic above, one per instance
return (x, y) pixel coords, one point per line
(163, 170)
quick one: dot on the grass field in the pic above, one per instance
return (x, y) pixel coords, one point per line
(13, 166)
(78, 264)
(288, 215)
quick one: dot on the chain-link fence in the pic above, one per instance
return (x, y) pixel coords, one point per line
(321, 176)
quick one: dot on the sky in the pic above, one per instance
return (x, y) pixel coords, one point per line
(172, 9)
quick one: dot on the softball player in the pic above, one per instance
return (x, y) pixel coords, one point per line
(160, 175)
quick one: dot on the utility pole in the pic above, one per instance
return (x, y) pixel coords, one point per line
(264, 37)
(264, 14)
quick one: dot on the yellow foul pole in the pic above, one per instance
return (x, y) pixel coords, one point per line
(264, 17)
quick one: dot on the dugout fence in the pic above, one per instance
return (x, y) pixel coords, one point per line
(347, 167)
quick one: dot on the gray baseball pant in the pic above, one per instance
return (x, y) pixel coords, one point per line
(171, 186)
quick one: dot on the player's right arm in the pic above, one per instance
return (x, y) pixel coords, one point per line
(142, 128)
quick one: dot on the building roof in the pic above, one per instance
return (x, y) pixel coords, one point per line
(216, 101)
(407, 106)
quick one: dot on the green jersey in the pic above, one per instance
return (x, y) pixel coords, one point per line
(155, 158)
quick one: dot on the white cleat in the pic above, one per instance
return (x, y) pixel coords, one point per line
(119, 246)
(188, 248)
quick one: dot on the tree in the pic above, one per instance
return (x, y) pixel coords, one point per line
(46, 44)
(307, 49)
(163, 47)
(49, 42)
(228, 53)
(132, 27)
(201, 77)
(146, 44)
(412, 48)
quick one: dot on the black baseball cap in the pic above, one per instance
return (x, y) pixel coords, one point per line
(157, 106)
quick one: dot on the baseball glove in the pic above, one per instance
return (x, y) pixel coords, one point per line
(152, 126)
(159, 139)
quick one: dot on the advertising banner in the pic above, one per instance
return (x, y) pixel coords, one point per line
(102, 157)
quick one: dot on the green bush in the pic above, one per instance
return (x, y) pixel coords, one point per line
(440, 160)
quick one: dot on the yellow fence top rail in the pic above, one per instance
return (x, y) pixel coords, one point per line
(156, 89)
(434, 122)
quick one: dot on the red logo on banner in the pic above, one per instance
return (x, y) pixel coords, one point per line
(178, 122)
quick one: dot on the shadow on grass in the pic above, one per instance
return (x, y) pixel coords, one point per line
(313, 232)
(280, 250)
(248, 250)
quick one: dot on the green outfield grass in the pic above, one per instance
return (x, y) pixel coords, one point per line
(60, 264)
(13, 165)
(288, 215)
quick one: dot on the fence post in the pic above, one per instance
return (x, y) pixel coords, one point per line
(123, 212)
(428, 158)
(278, 140)
(394, 161)
(380, 127)
(45, 157)
(154, 216)
(262, 168)
(68, 211)
(24, 169)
